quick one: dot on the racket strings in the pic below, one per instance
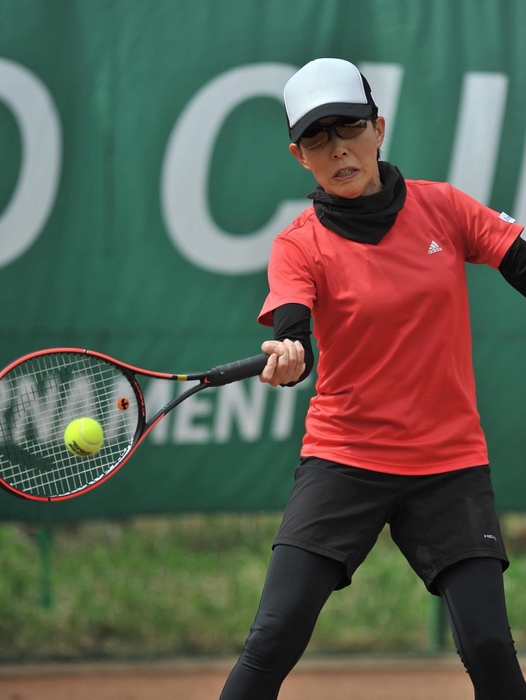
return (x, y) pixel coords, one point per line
(39, 398)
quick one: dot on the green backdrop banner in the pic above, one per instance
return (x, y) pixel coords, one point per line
(145, 173)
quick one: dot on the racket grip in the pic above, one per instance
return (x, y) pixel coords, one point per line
(234, 371)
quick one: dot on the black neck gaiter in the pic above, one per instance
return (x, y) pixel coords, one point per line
(364, 219)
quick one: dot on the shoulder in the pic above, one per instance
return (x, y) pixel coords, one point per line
(431, 190)
(303, 225)
(302, 233)
(428, 188)
(436, 196)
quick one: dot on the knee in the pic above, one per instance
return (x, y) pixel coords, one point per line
(274, 640)
(492, 650)
(262, 648)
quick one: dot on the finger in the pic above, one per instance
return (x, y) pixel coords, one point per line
(288, 360)
(300, 366)
(270, 368)
(290, 363)
(272, 346)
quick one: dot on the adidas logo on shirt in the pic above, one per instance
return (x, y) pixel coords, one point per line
(434, 248)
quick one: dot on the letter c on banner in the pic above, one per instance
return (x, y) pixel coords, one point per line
(184, 178)
(32, 105)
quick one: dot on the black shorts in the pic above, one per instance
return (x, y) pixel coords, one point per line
(436, 520)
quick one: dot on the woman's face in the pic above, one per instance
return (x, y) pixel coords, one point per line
(345, 167)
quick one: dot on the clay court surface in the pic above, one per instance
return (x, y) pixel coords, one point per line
(314, 679)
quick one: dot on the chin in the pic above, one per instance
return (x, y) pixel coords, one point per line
(347, 192)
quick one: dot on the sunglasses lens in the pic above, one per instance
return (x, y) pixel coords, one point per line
(350, 130)
(317, 136)
(312, 138)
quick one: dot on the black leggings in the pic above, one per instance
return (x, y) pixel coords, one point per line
(297, 587)
(473, 591)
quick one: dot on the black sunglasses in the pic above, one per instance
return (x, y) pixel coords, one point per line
(318, 135)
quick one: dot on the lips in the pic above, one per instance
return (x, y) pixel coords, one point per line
(344, 172)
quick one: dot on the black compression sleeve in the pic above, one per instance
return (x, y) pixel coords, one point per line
(513, 265)
(292, 321)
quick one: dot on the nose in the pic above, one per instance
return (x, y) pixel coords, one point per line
(339, 147)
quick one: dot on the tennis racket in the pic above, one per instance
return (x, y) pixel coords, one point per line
(41, 393)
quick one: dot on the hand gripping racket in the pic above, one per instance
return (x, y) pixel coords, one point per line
(41, 393)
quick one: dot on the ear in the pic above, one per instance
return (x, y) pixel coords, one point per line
(380, 131)
(297, 152)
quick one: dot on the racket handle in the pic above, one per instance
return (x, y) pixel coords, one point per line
(234, 371)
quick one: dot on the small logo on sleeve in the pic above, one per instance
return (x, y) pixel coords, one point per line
(434, 248)
(506, 217)
(490, 537)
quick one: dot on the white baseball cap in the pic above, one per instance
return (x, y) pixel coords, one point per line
(326, 87)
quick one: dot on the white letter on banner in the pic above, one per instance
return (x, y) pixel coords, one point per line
(285, 410)
(185, 431)
(385, 80)
(158, 394)
(478, 134)
(519, 210)
(24, 217)
(184, 177)
(249, 412)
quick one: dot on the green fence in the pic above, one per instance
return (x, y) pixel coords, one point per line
(145, 172)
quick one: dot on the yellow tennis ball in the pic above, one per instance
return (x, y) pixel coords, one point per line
(84, 437)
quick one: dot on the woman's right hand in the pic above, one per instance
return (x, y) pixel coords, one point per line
(285, 363)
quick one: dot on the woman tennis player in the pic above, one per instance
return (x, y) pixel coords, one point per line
(393, 433)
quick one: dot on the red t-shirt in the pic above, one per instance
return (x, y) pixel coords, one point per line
(395, 390)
